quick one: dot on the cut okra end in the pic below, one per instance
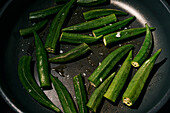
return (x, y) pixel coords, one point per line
(93, 84)
(104, 41)
(127, 101)
(50, 50)
(94, 34)
(135, 64)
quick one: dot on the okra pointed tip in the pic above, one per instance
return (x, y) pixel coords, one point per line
(157, 52)
(133, 17)
(146, 24)
(160, 50)
(152, 28)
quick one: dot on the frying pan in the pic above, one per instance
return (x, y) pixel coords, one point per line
(14, 15)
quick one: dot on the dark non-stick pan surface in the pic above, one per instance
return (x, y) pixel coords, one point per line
(15, 16)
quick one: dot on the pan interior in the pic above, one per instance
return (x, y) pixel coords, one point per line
(14, 46)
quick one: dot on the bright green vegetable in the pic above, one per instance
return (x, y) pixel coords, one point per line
(138, 81)
(63, 95)
(45, 12)
(118, 82)
(55, 28)
(113, 27)
(101, 12)
(123, 35)
(91, 2)
(98, 93)
(71, 55)
(35, 27)
(107, 64)
(80, 93)
(30, 84)
(145, 49)
(42, 62)
(92, 24)
(78, 38)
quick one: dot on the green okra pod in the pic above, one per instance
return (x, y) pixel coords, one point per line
(71, 55)
(119, 80)
(138, 81)
(123, 35)
(42, 62)
(145, 49)
(112, 27)
(101, 12)
(97, 95)
(102, 71)
(40, 14)
(30, 84)
(35, 27)
(80, 93)
(92, 24)
(63, 95)
(55, 28)
(78, 38)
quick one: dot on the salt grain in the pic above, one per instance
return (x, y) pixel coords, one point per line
(61, 51)
(101, 54)
(90, 34)
(84, 74)
(101, 79)
(118, 34)
(68, 75)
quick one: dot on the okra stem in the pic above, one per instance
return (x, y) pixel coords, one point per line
(92, 24)
(30, 84)
(145, 49)
(80, 93)
(63, 95)
(35, 27)
(118, 82)
(44, 13)
(42, 62)
(78, 38)
(138, 81)
(71, 55)
(102, 71)
(97, 95)
(55, 28)
(101, 12)
(123, 35)
(111, 28)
